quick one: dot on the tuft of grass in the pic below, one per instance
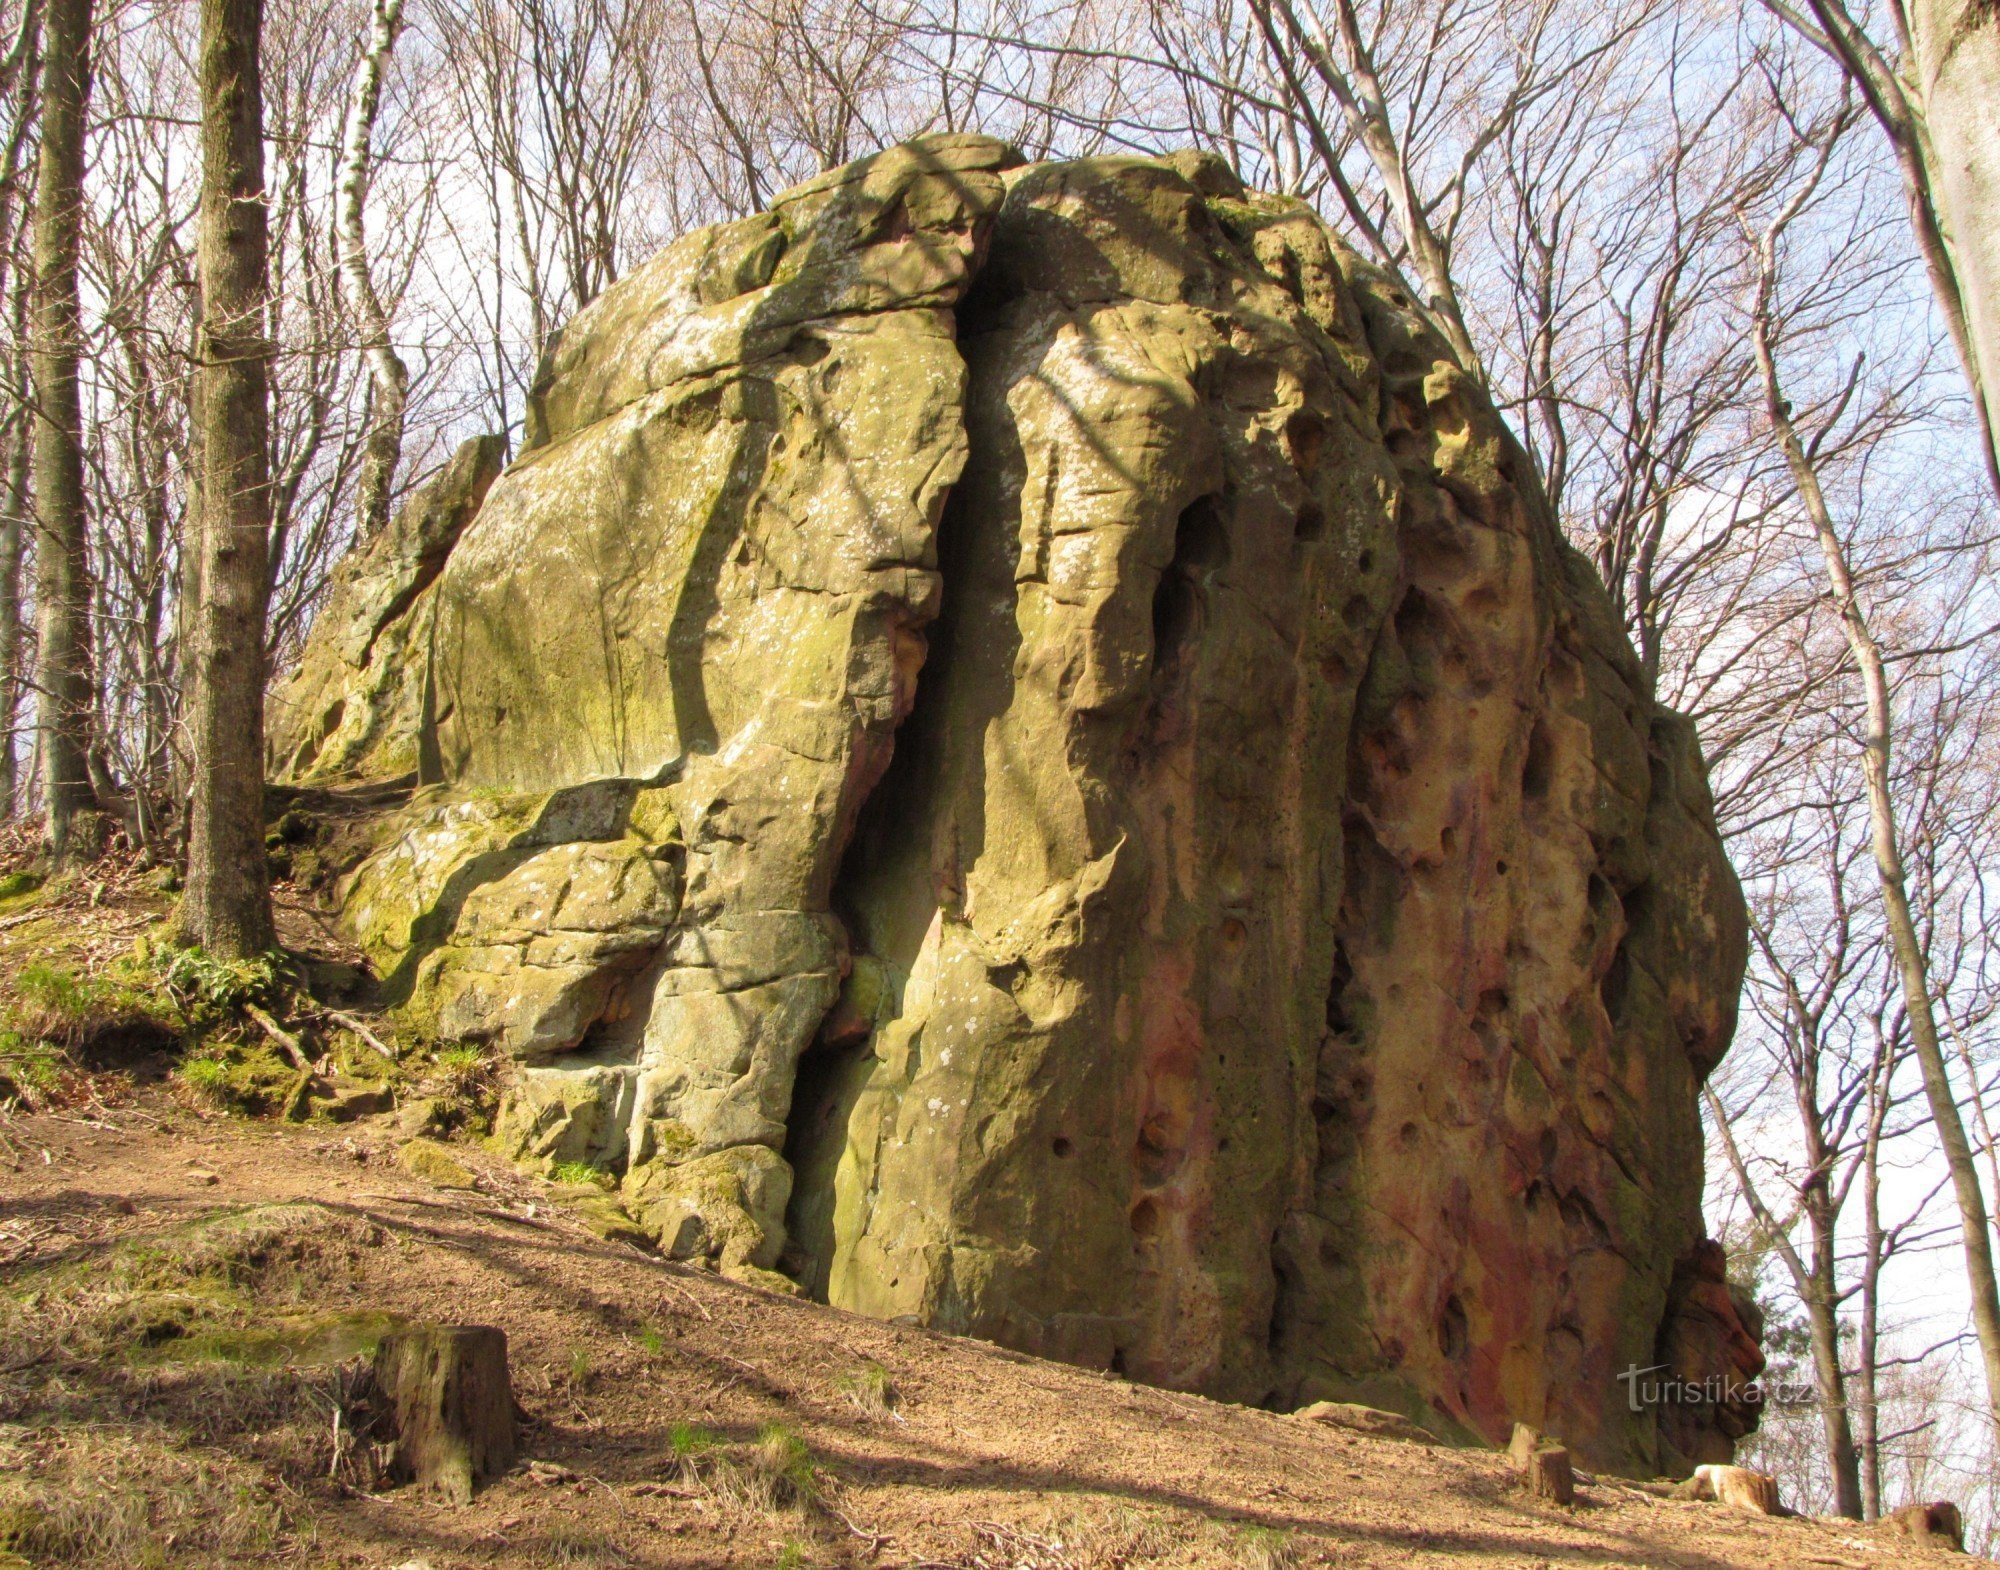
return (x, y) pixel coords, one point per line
(774, 1472)
(784, 1466)
(463, 1082)
(870, 1390)
(651, 1342)
(581, 1369)
(460, 1060)
(1266, 1548)
(33, 1072)
(573, 1543)
(580, 1173)
(689, 1442)
(108, 1499)
(792, 1556)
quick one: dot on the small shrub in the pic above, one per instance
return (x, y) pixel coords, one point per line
(208, 988)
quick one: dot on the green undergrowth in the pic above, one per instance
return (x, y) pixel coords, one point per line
(66, 1015)
(68, 1019)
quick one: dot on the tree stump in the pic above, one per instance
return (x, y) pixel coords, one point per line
(1548, 1475)
(1937, 1522)
(447, 1391)
(1543, 1466)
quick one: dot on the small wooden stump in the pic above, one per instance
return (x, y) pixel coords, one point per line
(1548, 1475)
(1543, 1466)
(1937, 1522)
(446, 1389)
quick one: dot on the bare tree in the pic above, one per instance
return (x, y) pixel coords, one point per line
(1877, 743)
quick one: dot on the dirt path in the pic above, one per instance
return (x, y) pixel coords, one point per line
(986, 1458)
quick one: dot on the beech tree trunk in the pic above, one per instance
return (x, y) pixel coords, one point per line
(62, 585)
(1936, 96)
(227, 906)
(1955, 50)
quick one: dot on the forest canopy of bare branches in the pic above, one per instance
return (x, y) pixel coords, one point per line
(1670, 236)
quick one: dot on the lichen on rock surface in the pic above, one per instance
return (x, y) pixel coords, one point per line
(1022, 746)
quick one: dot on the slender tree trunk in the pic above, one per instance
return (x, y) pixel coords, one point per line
(227, 906)
(62, 586)
(1819, 1290)
(1911, 967)
(22, 68)
(1868, 1364)
(13, 535)
(389, 378)
(1987, 1145)
(1823, 1323)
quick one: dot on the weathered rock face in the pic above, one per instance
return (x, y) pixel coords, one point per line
(1022, 745)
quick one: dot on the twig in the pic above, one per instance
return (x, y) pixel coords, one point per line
(700, 1307)
(876, 1541)
(281, 1036)
(359, 1029)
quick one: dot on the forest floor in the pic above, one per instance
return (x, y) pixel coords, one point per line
(187, 1295)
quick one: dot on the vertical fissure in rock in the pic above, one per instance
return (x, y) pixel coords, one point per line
(881, 883)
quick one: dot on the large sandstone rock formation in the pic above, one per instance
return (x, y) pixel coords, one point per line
(1020, 746)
